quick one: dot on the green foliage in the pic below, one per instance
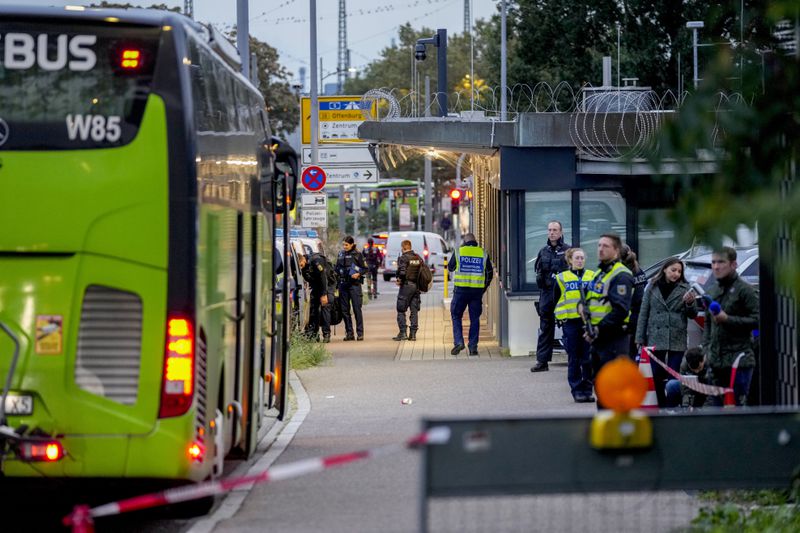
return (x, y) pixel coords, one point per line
(305, 353)
(747, 512)
(283, 105)
(754, 139)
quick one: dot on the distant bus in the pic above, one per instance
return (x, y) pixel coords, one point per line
(136, 250)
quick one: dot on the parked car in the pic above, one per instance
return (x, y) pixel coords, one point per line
(429, 245)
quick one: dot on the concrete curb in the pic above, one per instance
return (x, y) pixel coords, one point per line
(271, 446)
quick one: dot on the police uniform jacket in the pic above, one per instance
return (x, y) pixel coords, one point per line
(620, 292)
(314, 273)
(408, 266)
(723, 342)
(663, 323)
(349, 263)
(549, 262)
(452, 265)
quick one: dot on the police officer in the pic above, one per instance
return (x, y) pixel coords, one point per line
(628, 258)
(408, 265)
(549, 262)
(315, 272)
(569, 292)
(350, 266)
(608, 298)
(373, 256)
(473, 274)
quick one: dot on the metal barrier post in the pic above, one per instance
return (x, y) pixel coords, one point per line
(446, 272)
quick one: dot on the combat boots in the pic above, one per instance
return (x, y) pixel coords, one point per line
(412, 335)
(401, 335)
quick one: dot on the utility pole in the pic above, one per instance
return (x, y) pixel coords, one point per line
(188, 8)
(466, 16)
(503, 57)
(242, 33)
(356, 209)
(341, 68)
(313, 80)
(428, 185)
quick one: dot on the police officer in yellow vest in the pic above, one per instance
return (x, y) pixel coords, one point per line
(473, 274)
(569, 291)
(609, 301)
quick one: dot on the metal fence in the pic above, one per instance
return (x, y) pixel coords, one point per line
(542, 475)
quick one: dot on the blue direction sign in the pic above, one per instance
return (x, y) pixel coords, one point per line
(313, 178)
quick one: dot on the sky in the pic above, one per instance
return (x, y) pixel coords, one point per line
(283, 24)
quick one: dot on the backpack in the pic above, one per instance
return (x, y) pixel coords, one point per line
(425, 278)
(330, 273)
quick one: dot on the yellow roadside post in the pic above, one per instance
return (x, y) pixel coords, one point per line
(445, 278)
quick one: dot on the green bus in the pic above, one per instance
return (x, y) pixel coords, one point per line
(140, 187)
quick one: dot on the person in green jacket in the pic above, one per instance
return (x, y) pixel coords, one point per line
(730, 320)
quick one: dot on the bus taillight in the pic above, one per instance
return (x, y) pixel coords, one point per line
(130, 59)
(41, 451)
(177, 384)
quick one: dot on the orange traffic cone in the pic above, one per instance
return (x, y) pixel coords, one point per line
(650, 399)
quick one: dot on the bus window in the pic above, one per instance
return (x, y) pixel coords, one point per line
(87, 91)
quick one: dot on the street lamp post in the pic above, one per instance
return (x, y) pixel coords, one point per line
(439, 41)
(695, 25)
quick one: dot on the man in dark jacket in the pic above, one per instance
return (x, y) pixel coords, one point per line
(693, 365)
(314, 269)
(729, 325)
(639, 286)
(373, 256)
(549, 263)
(408, 265)
(350, 266)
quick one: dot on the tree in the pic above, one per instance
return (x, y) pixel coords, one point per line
(756, 137)
(273, 78)
(283, 105)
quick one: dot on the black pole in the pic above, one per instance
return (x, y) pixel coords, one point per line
(441, 82)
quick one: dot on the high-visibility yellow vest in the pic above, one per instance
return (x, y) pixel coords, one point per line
(571, 287)
(597, 293)
(470, 267)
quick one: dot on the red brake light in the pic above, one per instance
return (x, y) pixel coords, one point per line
(130, 59)
(425, 252)
(196, 451)
(49, 451)
(177, 386)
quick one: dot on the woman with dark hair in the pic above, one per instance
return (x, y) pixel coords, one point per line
(667, 306)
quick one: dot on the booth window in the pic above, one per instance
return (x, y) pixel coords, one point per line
(541, 208)
(600, 212)
(658, 237)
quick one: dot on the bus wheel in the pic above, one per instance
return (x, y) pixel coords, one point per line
(219, 445)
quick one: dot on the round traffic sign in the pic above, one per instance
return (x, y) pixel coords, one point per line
(313, 178)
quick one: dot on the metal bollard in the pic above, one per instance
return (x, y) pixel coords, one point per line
(446, 272)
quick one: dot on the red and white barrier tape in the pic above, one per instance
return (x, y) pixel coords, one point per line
(708, 390)
(81, 517)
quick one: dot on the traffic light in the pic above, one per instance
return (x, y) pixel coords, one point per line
(455, 200)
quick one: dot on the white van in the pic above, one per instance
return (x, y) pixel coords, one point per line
(430, 246)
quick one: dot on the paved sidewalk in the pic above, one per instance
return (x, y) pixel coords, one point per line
(435, 335)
